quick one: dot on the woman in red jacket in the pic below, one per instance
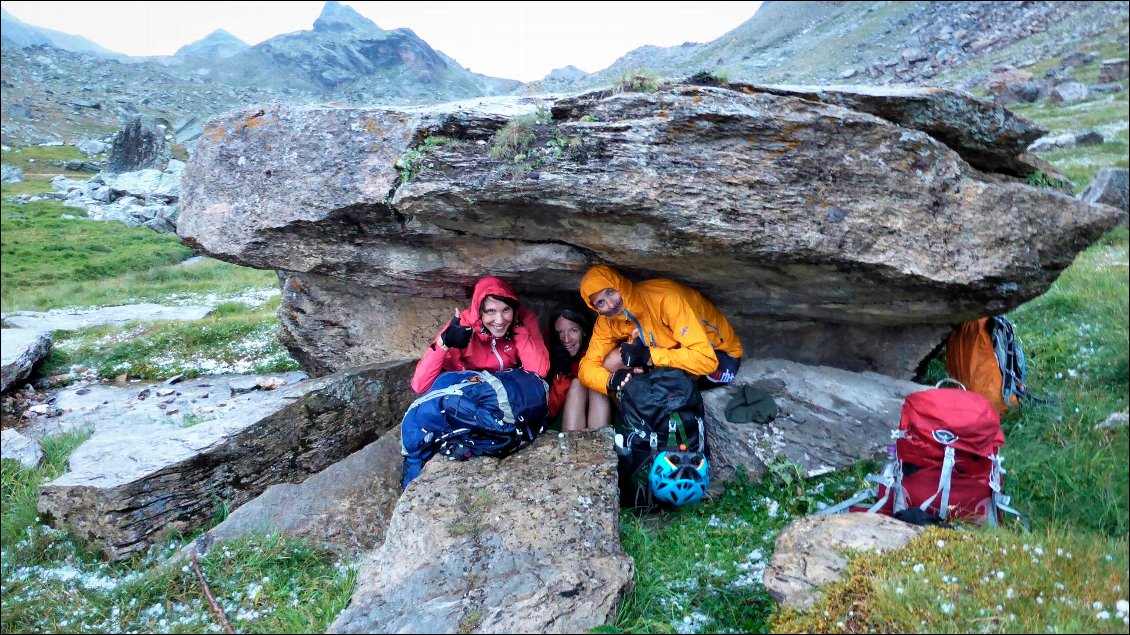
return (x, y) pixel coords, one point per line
(495, 333)
(581, 408)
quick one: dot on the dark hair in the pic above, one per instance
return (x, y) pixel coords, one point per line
(559, 359)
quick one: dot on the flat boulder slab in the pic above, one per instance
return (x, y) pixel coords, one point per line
(345, 507)
(850, 232)
(526, 544)
(77, 318)
(20, 350)
(177, 402)
(829, 418)
(128, 485)
(810, 552)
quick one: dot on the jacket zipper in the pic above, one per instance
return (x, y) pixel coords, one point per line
(494, 350)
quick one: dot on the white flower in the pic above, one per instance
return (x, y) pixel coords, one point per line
(918, 568)
(947, 608)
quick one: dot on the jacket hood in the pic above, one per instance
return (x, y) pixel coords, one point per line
(601, 277)
(488, 285)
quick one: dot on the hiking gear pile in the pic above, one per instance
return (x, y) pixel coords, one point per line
(985, 356)
(473, 413)
(663, 455)
(945, 463)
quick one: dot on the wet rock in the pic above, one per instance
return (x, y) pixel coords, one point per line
(70, 319)
(1111, 186)
(810, 553)
(526, 544)
(20, 350)
(1114, 70)
(11, 173)
(658, 184)
(1068, 92)
(17, 447)
(130, 484)
(1066, 140)
(139, 145)
(346, 507)
(829, 418)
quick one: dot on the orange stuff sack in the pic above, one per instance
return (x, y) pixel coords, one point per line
(972, 360)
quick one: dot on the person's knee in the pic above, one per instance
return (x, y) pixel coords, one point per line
(576, 387)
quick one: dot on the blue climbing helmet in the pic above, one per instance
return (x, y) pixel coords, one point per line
(678, 478)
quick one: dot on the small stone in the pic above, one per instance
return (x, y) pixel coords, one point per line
(175, 379)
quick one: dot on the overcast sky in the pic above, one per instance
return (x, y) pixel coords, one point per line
(514, 40)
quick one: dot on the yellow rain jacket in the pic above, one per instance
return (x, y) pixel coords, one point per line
(680, 326)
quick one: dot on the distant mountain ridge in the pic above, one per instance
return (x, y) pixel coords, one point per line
(52, 93)
(15, 32)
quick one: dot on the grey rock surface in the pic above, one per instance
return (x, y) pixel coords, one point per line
(77, 318)
(1114, 70)
(111, 406)
(526, 544)
(11, 173)
(128, 486)
(1111, 186)
(345, 507)
(827, 234)
(829, 418)
(139, 145)
(810, 552)
(20, 350)
(17, 447)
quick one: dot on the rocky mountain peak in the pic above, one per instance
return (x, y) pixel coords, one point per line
(217, 45)
(337, 18)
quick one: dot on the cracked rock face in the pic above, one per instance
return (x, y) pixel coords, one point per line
(832, 228)
(525, 544)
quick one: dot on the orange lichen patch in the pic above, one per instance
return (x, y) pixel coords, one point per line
(253, 120)
(697, 100)
(215, 134)
(662, 114)
(747, 90)
(372, 126)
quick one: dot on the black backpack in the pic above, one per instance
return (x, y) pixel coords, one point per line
(663, 412)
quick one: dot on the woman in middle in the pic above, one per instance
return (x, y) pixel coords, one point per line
(581, 408)
(495, 333)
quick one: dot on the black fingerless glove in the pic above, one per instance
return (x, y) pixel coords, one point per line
(456, 336)
(635, 354)
(615, 380)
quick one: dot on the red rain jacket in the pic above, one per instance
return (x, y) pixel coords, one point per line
(525, 348)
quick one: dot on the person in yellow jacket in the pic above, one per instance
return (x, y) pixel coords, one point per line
(653, 323)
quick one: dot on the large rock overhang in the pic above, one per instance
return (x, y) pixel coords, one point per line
(827, 233)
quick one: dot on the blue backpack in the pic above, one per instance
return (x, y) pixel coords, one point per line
(484, 413)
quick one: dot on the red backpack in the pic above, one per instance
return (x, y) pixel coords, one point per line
(945, 462)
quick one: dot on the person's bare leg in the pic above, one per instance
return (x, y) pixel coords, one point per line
(573, 412)
(600, 410)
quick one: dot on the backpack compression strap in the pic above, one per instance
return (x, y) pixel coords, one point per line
(944, 482)
(1000, 501)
